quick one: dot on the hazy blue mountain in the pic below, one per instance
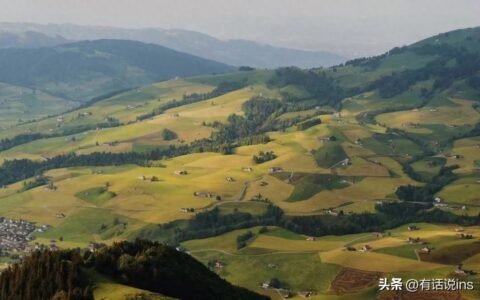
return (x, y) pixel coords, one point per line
(81, 70)
(232, 52)
(29, 39)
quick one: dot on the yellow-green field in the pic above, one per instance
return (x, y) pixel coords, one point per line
(469, 151)
(106, 289)
(186, 121)
(460, 114)
(312, 265)
(144, 202)
(140, 100)
(106, 204)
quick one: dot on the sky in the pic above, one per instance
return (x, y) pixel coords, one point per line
(353, 27)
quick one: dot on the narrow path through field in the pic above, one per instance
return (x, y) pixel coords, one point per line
(416, 254)
(241, 196)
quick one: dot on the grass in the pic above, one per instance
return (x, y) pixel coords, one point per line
(390, 144)
(329, 154)
(372, 261)
(285, 234)
(226, 242)
(107, 289)
(362, 195)
(279, 244)
(282, 254)
(92, 224)
(465, 190)
(429, 167)
(298, 271)
(187, 121)
(468, 149)
(310, 184)
(460, 114)
(453, 254)
(143, 99)
(98, 196)
(19, 104)
(406, 251)
(252, 77)
(132, 208)
(251, 207)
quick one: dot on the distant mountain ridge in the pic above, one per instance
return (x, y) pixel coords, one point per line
(29, 39)
(232, 52)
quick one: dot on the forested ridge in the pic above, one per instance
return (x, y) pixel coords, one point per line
(44, 276)
(63, 275)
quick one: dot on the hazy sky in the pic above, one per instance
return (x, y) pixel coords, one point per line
(354, 26)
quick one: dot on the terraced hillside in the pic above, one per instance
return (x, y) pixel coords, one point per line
(273, 176)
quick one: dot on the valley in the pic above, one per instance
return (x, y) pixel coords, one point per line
(280, 181)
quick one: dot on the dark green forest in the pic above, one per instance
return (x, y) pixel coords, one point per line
(64, 275)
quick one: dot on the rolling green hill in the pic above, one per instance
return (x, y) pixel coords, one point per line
(80, 71)
(435, 64)
(20, 104)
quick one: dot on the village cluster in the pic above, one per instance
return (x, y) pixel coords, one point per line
(15, 235)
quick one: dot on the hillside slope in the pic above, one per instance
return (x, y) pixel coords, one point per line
(20, 104)
(83, 70)
(146, 265)
(439, 62)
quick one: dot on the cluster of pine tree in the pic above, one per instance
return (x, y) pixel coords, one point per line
(44, 276)
(63, 275)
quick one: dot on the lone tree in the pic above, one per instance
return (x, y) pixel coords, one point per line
(168, 134)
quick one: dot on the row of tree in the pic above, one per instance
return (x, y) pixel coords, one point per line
(24, 138)
(213, 223)
(388, 215)
(426, 193)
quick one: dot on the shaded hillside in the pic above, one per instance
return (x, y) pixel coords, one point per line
(142, 264)
(82, 70)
